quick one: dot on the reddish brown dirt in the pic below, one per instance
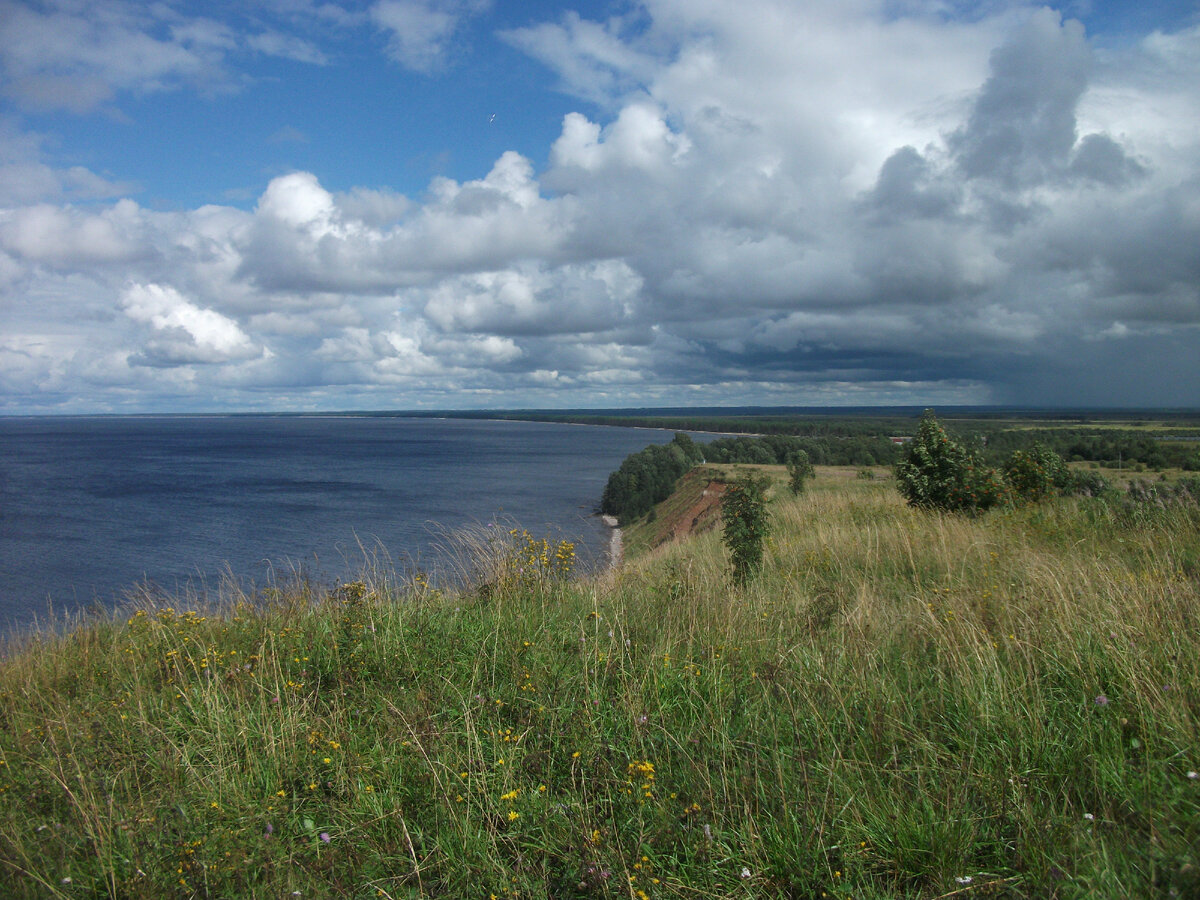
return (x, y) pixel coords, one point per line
(702, 514)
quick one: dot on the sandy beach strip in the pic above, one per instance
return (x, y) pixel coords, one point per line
(614, 542)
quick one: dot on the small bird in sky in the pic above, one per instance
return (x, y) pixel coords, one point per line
(492, 118)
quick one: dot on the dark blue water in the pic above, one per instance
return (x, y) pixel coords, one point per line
(92, 506)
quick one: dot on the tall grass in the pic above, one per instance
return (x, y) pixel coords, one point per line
(901, 705)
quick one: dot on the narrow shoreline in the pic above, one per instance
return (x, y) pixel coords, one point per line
(615, 546)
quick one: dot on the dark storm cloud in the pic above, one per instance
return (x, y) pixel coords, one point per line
(1022, 126)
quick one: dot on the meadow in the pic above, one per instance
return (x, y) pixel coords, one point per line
(904, 704)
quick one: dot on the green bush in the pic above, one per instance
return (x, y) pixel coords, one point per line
(746, 525)
(939, 473)
(1089, 484)
(799, 470)
(1037, 473)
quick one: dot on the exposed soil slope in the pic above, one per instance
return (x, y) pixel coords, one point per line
(700, 515)
(695, 506)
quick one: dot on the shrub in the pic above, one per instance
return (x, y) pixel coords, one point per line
(1089, 484)
(1037, 473)
(1187, 490)
(1184, 492)
(939, 473)
(746, 525)
(799, 470)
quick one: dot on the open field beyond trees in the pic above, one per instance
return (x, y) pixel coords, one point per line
(903, 704)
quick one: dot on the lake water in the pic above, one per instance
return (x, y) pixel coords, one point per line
(91, 506)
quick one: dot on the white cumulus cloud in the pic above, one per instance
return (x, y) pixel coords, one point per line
(182, 332)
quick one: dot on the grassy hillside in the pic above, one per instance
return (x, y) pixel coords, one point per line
(903, 705)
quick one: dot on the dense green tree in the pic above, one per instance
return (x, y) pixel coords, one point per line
(939, 473)
(648, 477)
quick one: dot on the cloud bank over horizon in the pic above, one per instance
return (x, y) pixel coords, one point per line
(829, 203)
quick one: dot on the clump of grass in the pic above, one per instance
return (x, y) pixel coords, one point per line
(902, 704)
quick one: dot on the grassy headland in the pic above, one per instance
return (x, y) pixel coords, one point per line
(903, 704)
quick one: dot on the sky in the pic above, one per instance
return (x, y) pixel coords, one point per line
(291, 205)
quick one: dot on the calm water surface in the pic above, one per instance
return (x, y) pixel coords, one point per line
(92, 506)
